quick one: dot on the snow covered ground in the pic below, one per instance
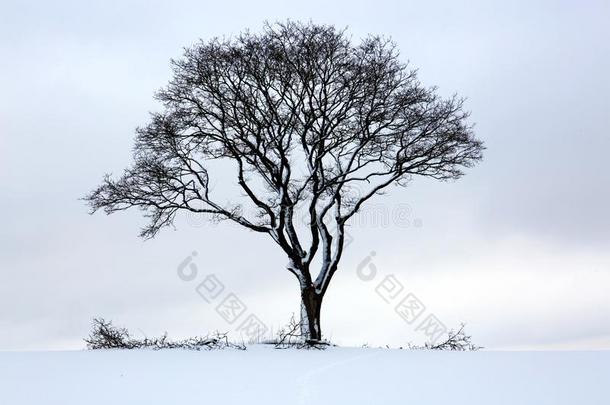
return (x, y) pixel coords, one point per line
(263, 375)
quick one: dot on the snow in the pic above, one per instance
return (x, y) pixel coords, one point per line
(263, 375)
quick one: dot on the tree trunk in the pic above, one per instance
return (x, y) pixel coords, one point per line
(311, 302)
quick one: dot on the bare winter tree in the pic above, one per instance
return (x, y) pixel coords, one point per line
(313, 125)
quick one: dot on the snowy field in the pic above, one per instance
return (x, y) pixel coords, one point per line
(263, 375)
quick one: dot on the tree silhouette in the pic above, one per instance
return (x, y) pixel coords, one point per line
(313, 125)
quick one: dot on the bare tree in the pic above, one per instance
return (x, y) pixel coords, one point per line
(313, 125)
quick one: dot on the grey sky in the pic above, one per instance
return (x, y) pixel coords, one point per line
(518, 248)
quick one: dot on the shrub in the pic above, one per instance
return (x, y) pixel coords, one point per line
(455, 341)
(104, 335)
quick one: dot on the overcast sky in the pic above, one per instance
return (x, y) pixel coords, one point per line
(518, 248)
